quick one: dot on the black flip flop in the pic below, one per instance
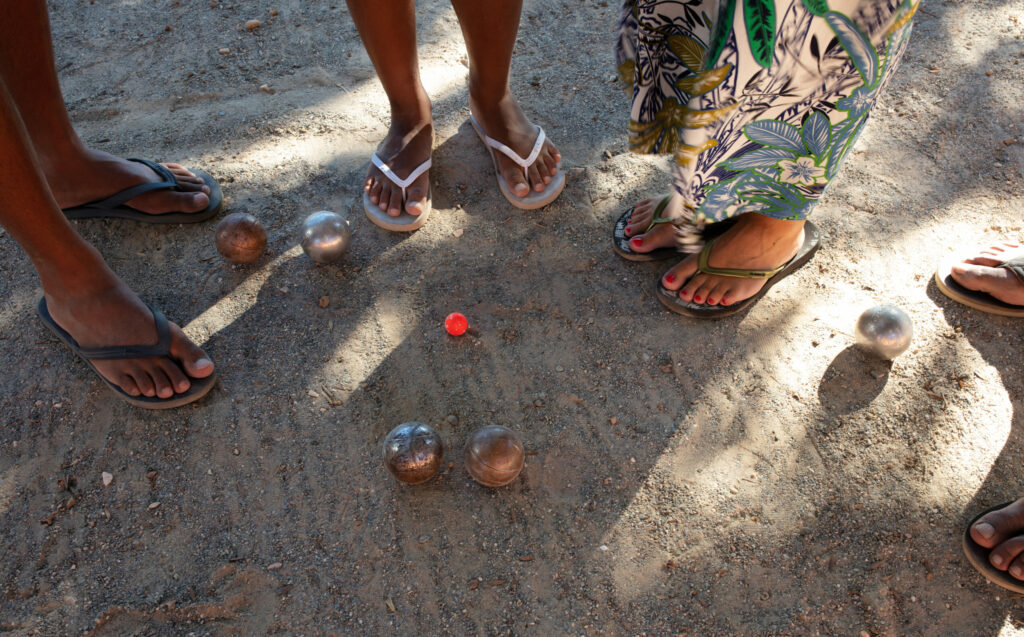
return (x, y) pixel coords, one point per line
(620, 242)
(114, 205)
(671, 300)
(977, 555)
(200, 386)
(979, 300)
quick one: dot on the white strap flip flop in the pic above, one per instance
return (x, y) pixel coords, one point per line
(535, 199)
(404, 222)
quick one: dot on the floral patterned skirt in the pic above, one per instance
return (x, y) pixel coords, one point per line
(758, 101)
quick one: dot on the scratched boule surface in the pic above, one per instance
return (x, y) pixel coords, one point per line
(751, 476)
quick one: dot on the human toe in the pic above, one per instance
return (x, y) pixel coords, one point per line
(194, 360)
(517, 183)
(997, 526)
(1006, 553)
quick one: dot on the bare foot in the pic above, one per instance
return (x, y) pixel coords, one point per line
(756, 242)
(100, 311)
(505, 122)
(982, 273)
(1002, 531)
(92, 175)
(408, 144)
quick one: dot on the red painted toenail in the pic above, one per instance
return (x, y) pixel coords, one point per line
(670, 278)
(637, 241)
(697, 299)
(628, 228)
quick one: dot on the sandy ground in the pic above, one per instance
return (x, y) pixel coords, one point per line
(757, 475)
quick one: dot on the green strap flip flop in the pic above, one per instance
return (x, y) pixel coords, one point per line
(200, 386)
(671, 300)
(620, 242)
(115, 206)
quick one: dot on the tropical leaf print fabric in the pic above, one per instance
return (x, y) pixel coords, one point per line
(758, 101)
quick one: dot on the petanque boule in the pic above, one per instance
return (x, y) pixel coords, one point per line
(494, 456)
(413, 452)
(326, 236)
(240, 238)
(884, 330)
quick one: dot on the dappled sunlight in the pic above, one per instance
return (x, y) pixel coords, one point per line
(235, 304)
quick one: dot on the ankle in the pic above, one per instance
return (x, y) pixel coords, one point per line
(78, 271)
(414, 109)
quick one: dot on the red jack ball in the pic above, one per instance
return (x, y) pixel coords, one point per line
(456, 324)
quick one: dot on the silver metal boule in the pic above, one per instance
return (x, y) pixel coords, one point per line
(326, 236)
(413, 452)
(885, 330)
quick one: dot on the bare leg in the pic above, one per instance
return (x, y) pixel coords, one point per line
(489, 28)
(75, 174)
(83, 295)
(388, 31)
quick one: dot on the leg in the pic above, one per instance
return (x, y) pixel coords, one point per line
(388, 31)
(76, 174)
(489, 28)
(83, 295)
(760, 130)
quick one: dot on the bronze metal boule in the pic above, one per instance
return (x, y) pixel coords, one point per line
(494, 456)
(241, 238)
(413, 452)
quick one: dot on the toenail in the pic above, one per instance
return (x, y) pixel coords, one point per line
(629, 228)
(637, 241)
(670, 278)
(985, 530)
(1017, 570)
(698, 299)
(996, 559)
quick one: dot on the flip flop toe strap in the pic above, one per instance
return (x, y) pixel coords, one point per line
(161, 348)
(170, 182)
(702, 266)
(394, 178)
(1016, 266)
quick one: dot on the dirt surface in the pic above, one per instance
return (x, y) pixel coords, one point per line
(756, 475)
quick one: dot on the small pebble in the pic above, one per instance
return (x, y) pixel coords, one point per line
(153, 505)
(324, 301)
(275, 566)
(452, 419)
(423, 538)
(538, 403)
(559, 368)
(252, 24)
(458, 233)
(603, 547)
(273, 12)
(224, 50)
(265, 88)
(107, 478)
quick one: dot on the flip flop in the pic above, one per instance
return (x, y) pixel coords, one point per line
(114, 206)
(404, 222)
(620, 242)
(977, 555)
(979, 300)
(200, 386)
(671, 300)
(535, 199)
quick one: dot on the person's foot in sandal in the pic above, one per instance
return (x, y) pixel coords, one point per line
(1001, 533)
(98, 310)
(755, 242)
(986, 272)
(88, 175)
(406, 147)
(643, 237)
(503, 121)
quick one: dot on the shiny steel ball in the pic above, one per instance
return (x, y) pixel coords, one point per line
(494, 456)
(325, 236)
(884, 330)
(413, 452)
(240, 238)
